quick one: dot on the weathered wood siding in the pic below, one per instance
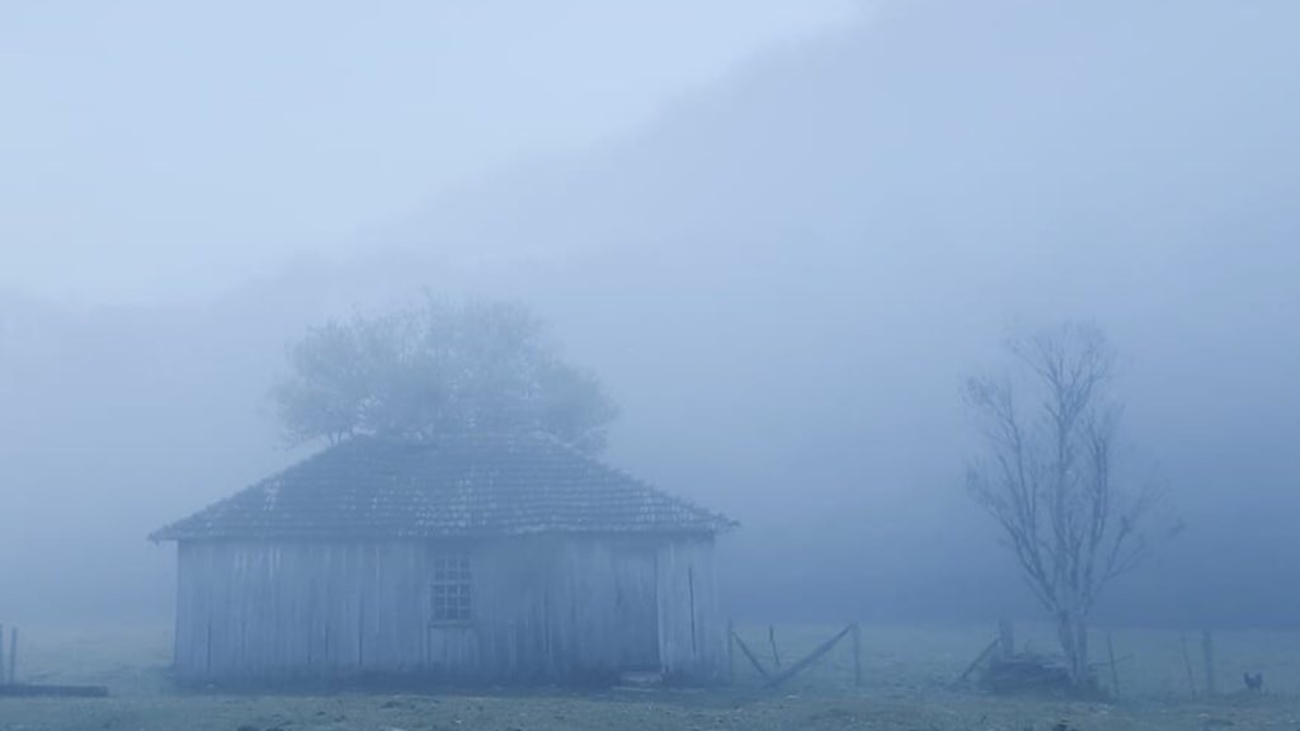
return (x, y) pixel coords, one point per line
(544, 607)
(692, 635)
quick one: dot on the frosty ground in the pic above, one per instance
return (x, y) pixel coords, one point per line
(908, 675)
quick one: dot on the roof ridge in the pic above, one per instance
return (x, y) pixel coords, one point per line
(454, 483)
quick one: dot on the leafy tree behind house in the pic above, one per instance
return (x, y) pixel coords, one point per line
(436, 368)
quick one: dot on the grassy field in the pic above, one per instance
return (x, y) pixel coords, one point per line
(907, 673)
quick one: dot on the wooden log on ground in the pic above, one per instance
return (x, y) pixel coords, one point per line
(1026, 674)
(798, 667)
(26, 690)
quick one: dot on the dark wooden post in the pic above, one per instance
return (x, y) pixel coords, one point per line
(1114, 669)
(13, 656)
(3, 673)
(1006, 639)
(985, 654)
(857, 655)
(1187, 663)
(1207, 649)
(798, 667)
(753, 659)
(731, 651)
(771, 639)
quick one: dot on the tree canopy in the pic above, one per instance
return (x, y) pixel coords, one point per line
(439, 367)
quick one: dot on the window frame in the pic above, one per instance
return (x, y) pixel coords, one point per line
(451, 589)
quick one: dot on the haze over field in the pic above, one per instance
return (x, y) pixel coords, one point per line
(782, 233)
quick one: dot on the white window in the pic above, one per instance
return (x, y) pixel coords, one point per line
(452, 589)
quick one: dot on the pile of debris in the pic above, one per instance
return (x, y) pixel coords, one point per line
(1026, 673)
(1000, 670)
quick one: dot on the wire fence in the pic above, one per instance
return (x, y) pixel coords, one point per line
(908, 660)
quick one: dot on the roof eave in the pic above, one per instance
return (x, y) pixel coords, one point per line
(172, 534)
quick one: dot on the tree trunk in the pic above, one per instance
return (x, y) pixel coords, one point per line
(1072, 631)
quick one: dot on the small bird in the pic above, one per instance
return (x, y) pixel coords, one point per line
(1254, 683)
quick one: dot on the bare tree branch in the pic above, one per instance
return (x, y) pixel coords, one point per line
(1048, 478)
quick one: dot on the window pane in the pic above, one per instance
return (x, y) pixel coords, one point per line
(452, 589)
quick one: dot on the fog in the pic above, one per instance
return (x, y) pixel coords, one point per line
(782, 233)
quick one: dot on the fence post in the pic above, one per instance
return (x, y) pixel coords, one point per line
(771, 640)
(857, 655)
(1006, 639)
(13, 656)
(1207, 649)
(731, 651)
(1187, 662)
(4, 673)
(1114, 668)
(798, 667)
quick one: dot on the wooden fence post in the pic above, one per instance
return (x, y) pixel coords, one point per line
(13, 656)
(4, 676)
(1207, 649)
(753, 660)
(1114, 669)
(1006, 639)
(771, 640)
(731, 651)
(979, 659)
(1187, 662)
(857, 655)
(798, 667)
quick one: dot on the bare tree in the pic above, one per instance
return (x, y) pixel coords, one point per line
(1048, 476)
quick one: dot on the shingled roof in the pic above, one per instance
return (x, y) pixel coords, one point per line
(466, 485)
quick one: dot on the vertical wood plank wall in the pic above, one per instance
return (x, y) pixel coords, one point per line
(545, 607)
(692, 636)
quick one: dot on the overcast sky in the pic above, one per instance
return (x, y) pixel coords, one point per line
(155, 150)
(781, 232)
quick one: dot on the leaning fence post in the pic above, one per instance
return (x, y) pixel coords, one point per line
(798, 667)
(1207, 649)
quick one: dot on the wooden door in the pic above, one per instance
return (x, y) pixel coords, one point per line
(636, 609)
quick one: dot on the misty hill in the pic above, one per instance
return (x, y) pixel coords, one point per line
(784, 279)
(824, 246)
(807, 260)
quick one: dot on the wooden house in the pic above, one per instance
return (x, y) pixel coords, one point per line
(484, 558)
